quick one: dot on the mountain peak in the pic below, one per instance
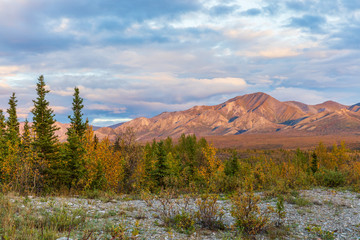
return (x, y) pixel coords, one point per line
(251, 113)
(254, 96)
(329, 106)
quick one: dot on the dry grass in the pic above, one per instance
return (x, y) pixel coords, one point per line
(279, 140)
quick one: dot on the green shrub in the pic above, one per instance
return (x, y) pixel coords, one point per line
(299, 201)
(318, 232)
(330, 178)
(280, 211)
(183, 223)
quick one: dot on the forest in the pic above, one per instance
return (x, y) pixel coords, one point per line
(36, 162)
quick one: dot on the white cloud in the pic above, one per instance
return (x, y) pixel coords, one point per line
(108, 121)
(104, 107)
(164, 88)
(298, 94)
(59, 109)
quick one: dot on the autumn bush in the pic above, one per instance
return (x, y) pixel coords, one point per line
(209, 214)
(249, 218)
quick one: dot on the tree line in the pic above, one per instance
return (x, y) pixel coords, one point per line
(36, 162)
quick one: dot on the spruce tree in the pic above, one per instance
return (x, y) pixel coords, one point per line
(2, 124)
(75, 133)
(45, 141)
(26, 136)
(29, 166)
(160, 166)
(3, 147)
(12, 123)
(78, 125)
(232, 165)
(314, 163)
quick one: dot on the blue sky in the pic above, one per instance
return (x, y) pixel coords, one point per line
(134, 58)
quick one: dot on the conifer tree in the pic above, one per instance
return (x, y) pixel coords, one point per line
(116, 146)
(45, 141)
(78, 125)
(2, 135)
(2, 124)
(96, 141)
(26, 136)
(160, 165)
(76, 132)
(12, 123)
(232, 165)
(314, 163)
(3, 149)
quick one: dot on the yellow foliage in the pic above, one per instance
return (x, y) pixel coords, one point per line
(213, 168)
(103, 165)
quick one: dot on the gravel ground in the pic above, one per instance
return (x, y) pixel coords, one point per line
(314, 214)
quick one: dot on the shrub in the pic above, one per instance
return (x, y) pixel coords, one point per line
(209, 215)
(318, 232)
(248, 216)
(168, 207)
(183, 223)
(330, 178)
(299, 201)
(280, 211)
(175, 212)
(119, 232)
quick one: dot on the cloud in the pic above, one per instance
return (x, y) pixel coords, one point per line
(298, 5)
(221, 9)
(108, 121)
(169, 89)
(307, 96)
(44, 26)
(252, 12)
(351, 4)
(347, 38)
(107, 108)
(310, 22)
(272, 8)
(59, 109)
(279, 53)
(6, 71)
(134, 58)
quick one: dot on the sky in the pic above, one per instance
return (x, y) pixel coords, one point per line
(134, 58)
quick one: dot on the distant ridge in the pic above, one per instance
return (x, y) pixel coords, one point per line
(248, 114)
(116, 125)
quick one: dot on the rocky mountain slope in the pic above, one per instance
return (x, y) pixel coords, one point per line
(247, 114)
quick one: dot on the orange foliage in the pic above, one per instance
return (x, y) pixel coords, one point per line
(104, 166)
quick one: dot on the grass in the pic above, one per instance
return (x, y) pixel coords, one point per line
(21, 218)
(298, 201)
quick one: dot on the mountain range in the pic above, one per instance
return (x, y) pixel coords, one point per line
(256, 113)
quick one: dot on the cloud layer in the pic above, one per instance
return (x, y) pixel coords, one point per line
(139, 58)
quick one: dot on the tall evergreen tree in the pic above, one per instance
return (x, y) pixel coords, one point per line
(45, 141)
(3, 147)
(26, 136)
(12, 123)
(76, 132)
(78, 125)
(2, 124)
(160, 165)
